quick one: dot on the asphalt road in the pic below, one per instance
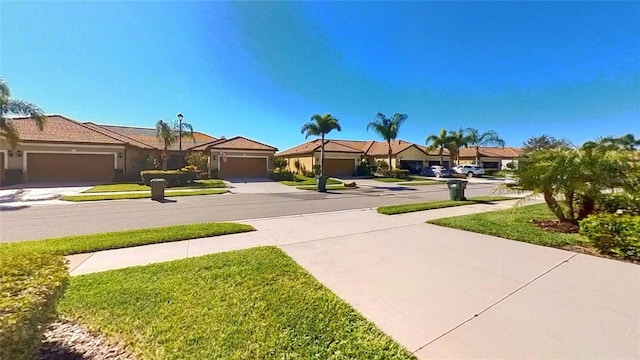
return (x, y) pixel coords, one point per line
(39, 222)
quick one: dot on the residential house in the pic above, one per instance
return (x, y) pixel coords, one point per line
(492, 157)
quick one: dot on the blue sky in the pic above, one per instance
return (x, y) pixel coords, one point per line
(261, 69)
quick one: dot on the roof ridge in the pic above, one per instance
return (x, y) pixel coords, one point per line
(119, 134)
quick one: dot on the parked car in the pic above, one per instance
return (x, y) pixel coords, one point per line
(437, 171)
(511, 180)
(470, 170)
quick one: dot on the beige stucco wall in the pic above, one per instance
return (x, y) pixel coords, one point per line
(214, 158)
(306, 162)
(22, 149)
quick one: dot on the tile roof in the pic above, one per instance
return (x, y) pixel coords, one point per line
(382, 148)
(435, 152)
(235, 143)
(346, 146)
(506, 152)
(118, 136)
(148, 136)
(58, 128)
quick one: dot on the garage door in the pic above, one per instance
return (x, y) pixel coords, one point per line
(69, 167)
(338, 167)
(243, 167)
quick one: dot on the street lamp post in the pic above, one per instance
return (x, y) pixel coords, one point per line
(180, 117)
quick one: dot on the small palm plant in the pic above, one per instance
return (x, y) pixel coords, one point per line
(320, 125)
(9, 106)
(387, 128)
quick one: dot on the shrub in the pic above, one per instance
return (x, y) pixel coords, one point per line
(624, 202)
(395, 173)
(30, 286)
(491, 172)
(382, 165)
(309, 173)
(316, 170)
(281, 176)
(203, 175)
(612, 234)
(198, 160)
(173, 177)
(280, 163)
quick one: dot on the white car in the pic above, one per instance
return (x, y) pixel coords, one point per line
(470, 170)
(511, 180)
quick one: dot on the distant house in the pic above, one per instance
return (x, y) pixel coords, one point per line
(68, 150)
(492, 157)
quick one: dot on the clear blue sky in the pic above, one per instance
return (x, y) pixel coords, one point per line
(568, 69)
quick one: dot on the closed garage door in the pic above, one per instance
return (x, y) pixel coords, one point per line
(243, 167)
(70, 167)
(338, 167)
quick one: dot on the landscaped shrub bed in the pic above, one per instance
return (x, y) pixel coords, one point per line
(281, 176)
(173, 177)
(30, 285)
(613, 234)
(395, 173)
(623, 202)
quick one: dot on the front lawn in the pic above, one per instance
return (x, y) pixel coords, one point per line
(406, 208)
(141, 195)
(513, 224)
(123, 187)
(300, 180)
(69, 245)
(328, 187)
(248, 304)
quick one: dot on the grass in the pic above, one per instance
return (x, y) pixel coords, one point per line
(388, 179)
(121, 187)
(142, 195)
(406, 208)
(248, 304)
(70, 245)
(328, 187)
(513, 224)
(303, 180)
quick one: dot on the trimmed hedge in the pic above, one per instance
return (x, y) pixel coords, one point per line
(623, 202)
(173, 177)
(395, 173)
(612, 234)
(30, 285)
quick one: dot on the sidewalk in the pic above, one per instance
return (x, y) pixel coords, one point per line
(270, 231)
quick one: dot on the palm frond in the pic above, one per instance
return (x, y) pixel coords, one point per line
(9, 132)
(24, 108)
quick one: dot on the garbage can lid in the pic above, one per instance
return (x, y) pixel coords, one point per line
(158, 180)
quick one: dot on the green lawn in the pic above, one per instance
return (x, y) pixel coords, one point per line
(248, 304)
(142, 195)
(198, 184)
(329, 187)
(303, 180)
(395, 180)
(513, 224)
(113, 240)
(405, 208)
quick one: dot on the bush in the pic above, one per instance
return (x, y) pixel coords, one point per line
(198, 160)
(281, 176)
(173, 177)
(395, 173)
(624, 202)
(611, 234)
(491, 172)
(203, 176)
(30, 286)
(382, 165)
(309, 173)
(280, 163)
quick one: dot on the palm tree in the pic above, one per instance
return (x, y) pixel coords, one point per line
(487, 138)
(320, 125)
(168, 134)
(10, 106)
(624, 142)
(439, 142)
(387, 128)
(457, 139)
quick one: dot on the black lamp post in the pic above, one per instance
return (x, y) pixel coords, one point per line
(180, 117)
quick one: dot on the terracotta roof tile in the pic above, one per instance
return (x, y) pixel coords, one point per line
(118, 136)
(506, 152)
(241, 143)
(382, 148)
(60, 129)
(148, 136)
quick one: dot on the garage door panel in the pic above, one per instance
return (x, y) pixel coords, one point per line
(338, 167)
(243, 167)
(70, 167)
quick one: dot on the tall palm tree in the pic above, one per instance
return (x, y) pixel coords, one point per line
(457, 139)
(440, 142)
(487, 138)
(387, 128)
(168, 134)
(624, 142)
(10, 106)
(320, 125)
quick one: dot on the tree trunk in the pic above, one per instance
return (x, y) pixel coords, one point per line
(441, 156)
(587, 207)
(554, 206)
(165, 158)
(568, 200)
(322, 156)
(389, 143)
(477, 155)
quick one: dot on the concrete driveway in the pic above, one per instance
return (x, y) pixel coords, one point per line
(258, 186)
(40, 193)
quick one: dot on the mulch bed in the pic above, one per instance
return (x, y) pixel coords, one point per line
(67, 340)
(557, 226)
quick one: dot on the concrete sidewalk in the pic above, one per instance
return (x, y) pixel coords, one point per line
(440, 292)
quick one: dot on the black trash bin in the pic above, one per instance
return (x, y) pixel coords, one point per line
(321, 181)
(456, 189)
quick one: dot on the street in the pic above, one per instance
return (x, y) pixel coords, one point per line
(39, 222)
